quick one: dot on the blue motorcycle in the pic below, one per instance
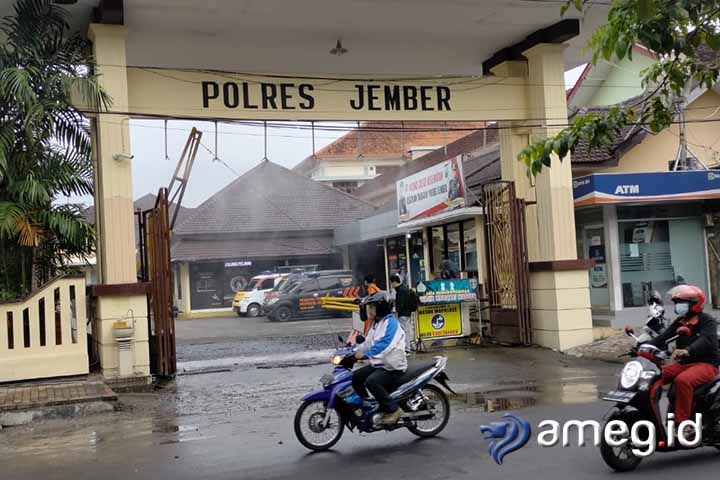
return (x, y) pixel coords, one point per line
(323, 415)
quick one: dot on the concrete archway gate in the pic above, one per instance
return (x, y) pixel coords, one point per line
(523, 89)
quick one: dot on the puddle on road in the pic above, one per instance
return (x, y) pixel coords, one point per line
(170, 428)
(505, 396)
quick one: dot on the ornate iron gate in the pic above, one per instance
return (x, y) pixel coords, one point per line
(155, 267)
(507, 260)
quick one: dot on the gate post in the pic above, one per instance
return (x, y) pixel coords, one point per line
(120, 298)
(559, 283)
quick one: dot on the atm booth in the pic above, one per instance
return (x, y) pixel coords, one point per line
(645, 232)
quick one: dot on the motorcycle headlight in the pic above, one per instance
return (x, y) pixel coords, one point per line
(335, 360)
(630, 374)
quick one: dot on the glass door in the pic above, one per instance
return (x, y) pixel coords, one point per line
(594, 249)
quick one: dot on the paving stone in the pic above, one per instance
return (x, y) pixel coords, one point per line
(43, 395)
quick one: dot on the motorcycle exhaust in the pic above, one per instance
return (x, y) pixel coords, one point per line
(442, 379)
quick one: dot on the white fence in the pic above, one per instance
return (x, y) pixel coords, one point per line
(45, 335)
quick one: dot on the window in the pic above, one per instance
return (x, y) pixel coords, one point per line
(178, 284)
(470, 263)
(453, 244)
(437, 241)
(347, 187)
(307, 286)
(645, 261)
(206, 285)
(417, 258)
(396, 258)
(328, 283)
(267, 284)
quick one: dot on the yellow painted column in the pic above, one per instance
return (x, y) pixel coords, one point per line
(113, 170)
(184, 288)
(553, 187)
(114, 210)
(559, 292)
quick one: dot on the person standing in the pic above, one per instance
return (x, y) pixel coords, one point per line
(406, 303)
(370, 287)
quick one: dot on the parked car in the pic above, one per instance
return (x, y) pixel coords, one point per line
(249, 302)
(303, 298)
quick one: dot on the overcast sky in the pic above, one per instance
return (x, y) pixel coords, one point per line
(241, 147)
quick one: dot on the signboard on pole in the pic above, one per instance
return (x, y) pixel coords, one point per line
(601, 188)
(447, 291)
(433, 190)
(439, 321)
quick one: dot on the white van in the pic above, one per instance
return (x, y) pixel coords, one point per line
(249, 302)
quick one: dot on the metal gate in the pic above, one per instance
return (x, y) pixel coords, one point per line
(507, 260)
(155, 268)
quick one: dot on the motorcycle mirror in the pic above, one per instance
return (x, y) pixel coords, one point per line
(684, 331)
(359, 339)
(629, 331)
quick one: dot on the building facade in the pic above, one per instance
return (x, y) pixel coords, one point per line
(269, 219)
(378, 148)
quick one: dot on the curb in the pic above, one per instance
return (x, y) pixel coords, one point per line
(17, 418)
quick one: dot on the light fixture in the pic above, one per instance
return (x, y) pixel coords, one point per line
(119, 157)
(339, 49)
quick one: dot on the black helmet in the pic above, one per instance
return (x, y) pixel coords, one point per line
(382, 301)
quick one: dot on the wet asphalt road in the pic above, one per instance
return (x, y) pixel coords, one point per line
(234, 337)
(237, 424)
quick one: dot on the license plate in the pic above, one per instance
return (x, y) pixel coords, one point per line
(618, 396)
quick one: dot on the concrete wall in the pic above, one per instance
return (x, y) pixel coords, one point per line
(622, 82)
(655, 151)
(46, 352)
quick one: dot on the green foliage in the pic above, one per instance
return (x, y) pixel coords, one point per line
(45, 145)
(675, 31)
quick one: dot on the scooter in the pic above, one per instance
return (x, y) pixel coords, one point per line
(637, 398)
(656, 321)
(323, 415)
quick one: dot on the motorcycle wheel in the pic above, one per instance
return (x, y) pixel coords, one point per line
(309, 431)
(620, 459)
(440, 406)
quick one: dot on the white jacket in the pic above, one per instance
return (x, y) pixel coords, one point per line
(385, 345)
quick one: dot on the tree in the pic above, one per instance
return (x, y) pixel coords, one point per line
(679, 32)
(45, 145)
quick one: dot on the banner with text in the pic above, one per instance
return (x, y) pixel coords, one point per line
(433, 190)
(439, 321)
(244, 96)
(448, 291)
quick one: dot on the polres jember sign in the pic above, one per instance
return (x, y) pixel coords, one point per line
(244, 96)
(433, 190)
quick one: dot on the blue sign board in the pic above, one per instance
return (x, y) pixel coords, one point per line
(448, 291)
(646, 187)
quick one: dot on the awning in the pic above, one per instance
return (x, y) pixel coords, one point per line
(444, 217)
(600, 188)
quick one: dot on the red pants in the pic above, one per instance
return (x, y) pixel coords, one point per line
(686, 377)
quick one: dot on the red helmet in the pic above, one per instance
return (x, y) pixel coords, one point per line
(689, 293)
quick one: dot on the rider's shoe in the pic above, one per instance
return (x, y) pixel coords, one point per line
(392, 418)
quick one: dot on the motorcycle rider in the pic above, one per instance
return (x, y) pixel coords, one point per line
(385, 347)
(696, 355)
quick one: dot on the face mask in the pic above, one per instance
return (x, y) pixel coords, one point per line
(682, 308)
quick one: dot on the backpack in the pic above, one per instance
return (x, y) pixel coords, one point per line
(414, 301)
